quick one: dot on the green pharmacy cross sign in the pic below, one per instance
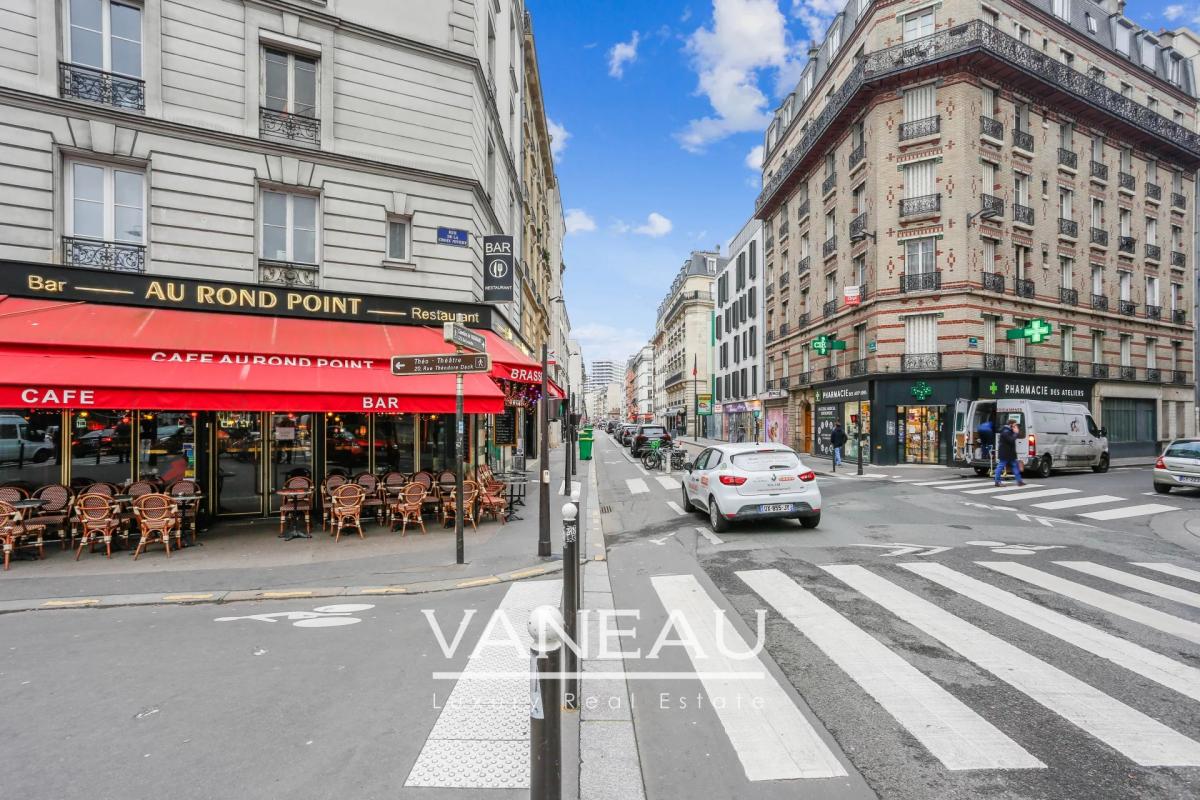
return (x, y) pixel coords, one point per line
(824, 343)
(1036, 331)
(921, 390)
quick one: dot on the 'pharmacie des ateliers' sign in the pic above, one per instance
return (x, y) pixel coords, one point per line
(51, 282)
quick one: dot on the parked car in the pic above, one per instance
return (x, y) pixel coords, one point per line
(626, 435)
(98, 442)
(19, 443)
(643, 435)
(1051, 435)
(1178, 467)
(735, 482)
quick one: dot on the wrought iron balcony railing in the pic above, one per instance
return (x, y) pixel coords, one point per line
(783, 231)
(920, 362)
(785, 328)
(1126, 244)
(771, 289)
(1099, 170)
(1022, 214)
(784, 279)
(830, 247)
(803, 209)
(1178, 200)
(1100, 302)
(772, 384)
(1153, 191)
(769, 242)
(1068, 158)
(857, 226)
(1068, 227)
(1067, 296)
(921, 281)
(1126, 181)
(1153, 252)
(956, 43)
(802, 321)
(785, 382)
(1026, 364)
(113, 256)
(1127, 373)
(770, 336)
(858, 367)
(1179, 316)
(804, 378)
(1099, 370)
(107, 88)
(1153, 375)
(993, 282)
(1178, 376)
(1178, 259)
(925, 204)
(858, 155)
(1153, 312)
(1069, 368)
(992, 204)
(1100, 237)
(992, 128)
(1024, 287)
(829, 183)
(920, 127)
(297, 127)
(863, 292)
(1023, 139)
(802, 265)
(829, 308)
(830, 373)
(674, 378)
(284, 273)
(993, 361)
(1127, 307)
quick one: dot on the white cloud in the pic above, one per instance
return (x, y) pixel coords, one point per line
(747, 36)
(622, 53)
(1173, 12)
(754, 159)
(656, 225)
(816, 14)
(579, 221)
(609, 342)
(558, 138)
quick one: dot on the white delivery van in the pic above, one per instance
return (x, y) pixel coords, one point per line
(20, 444)
(1051, 435)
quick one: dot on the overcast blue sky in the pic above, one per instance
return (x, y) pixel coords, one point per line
(658, 110)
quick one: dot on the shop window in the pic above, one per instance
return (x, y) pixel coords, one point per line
(101, 447)
(239, 452)
(30, 445)
(104, 53)
(347, 444)
(289, 227)
(167, 446)
(105, 217)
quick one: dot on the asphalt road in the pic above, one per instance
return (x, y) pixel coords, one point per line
(943, 641)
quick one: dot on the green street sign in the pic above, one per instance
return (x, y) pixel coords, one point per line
(1036, 331)
(824, 343)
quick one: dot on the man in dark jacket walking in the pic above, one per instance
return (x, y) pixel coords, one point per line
(1006, 453)
(838, 440)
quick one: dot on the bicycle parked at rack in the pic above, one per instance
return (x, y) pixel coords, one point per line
(660, 454)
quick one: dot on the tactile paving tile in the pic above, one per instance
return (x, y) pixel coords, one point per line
(472, 764)
(484, 721)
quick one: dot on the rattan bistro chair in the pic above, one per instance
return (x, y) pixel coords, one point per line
(15, 533)
(297, 505)
(55, 512)
(470, 495)
(332, 482)
(158, 518)
(97, 520)
(408, 507)
(346, 506)
(373, 502)
(188, 512)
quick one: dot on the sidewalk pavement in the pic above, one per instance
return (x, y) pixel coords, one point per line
(246, 561)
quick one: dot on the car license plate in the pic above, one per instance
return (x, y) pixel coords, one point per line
(1188, 478)
(776, 508)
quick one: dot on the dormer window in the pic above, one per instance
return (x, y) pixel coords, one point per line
(1148, 48)
(1091, 23)
(1122, 39)
(835, 39)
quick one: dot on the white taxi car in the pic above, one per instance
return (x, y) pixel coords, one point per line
(751, 481)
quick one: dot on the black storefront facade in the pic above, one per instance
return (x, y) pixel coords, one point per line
(910, 418)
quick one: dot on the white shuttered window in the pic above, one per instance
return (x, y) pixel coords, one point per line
(920, 334)
(919, 102)
(920, 179)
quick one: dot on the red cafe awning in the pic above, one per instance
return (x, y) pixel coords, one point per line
(130, 357)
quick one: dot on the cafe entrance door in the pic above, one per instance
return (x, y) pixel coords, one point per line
(237, 468)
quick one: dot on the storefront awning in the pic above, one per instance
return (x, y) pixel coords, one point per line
(131, 357)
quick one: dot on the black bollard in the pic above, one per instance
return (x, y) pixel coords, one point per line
(545, 705)
(570, 658)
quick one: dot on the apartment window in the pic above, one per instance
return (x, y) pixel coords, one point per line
(831, 286)
(1066, 269)
(1097, 279)
(753, 301)
(920, 256)
(1125, 222)
(989, 254)
(858, 199)
(1098, 347)
(920, 333)
(830, 224)
(1176, 296)
(1122, 39)
(290, 83)
(1125, 284)
(1098, 149)
(1021, 254)
(804, 246)
(754, 380)
(1096, 74)
(989, 177)
(106, 204)
(1126, 159)
(1066, 136)
(1176, 238)
(753, 260)
(1018, 345)
(1148, 49)
(490, 166)
(1152, 104)
(1066, 203)
(1151, 353)
(1062, 9)
(491, 53)
(741, 272)
(990, 101)
(754, 340)
(918, 25)
(830, 164)
(1068, 58)
(1097, 213)
(920, 102)
(1151, 291)
(1177, 181)
(860, 269)
(920, 179)
(1068, 343)
(289, 227)
(1151, 230)
(1091, 23)
(1021, 116)
(1126, 89)
(991, 17)
(835, 40)
(398, 232)
(989, 333)
(1021, 188)
(106, 36)
(1173, 69)
(1021, 33)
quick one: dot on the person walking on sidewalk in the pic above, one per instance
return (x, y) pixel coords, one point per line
(838, 440)
(1006, 453)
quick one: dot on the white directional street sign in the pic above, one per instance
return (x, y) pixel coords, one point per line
(441, 363)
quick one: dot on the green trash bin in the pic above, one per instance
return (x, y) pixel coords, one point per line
(585, 446)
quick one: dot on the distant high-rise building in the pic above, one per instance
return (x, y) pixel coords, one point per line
(601, 374)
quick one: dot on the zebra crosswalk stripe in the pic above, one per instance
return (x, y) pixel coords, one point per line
(1076, 502)
(1128, 609)
(1171, 569)
(1011, 487)
(637, 486)
(1039, 493)
(667, 482)
(772, 739)
(1156, 588)
(952, 732)
(1128, 511)
(963, 482)
(1140, 738)
(1122, 652)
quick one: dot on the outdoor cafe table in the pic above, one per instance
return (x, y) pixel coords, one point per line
(295, 514)
(515, 484)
